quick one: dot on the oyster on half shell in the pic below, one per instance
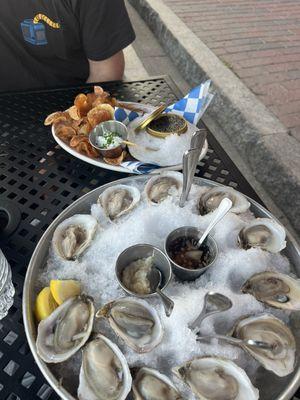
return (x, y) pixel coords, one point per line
(263, 233)
(269, 329)
(66, 330)
(149, 384)
(211, 199)
(214, 378)
(275, 289)
(119, 200)
(135, 321)
(104, 372)
(74, 235)
(161, 186)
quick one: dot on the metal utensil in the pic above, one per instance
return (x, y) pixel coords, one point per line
(221, 211)
(155, 279)
(213, 303)
(189, 163)
(238, 342)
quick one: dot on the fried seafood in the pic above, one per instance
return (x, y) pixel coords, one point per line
(81, 144)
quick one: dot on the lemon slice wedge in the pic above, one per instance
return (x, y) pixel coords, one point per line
(62, 290)
(44, 304)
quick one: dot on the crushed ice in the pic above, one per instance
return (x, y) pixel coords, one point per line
(151, 224)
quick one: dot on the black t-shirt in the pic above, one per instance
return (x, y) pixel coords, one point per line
(46, 43)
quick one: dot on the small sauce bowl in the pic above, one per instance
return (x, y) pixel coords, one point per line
(136, 252)
(103, 128)
(181, 272)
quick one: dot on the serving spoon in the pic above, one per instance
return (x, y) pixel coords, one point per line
(220, 213)
(213, 303)
(155, 279)
(245, 342)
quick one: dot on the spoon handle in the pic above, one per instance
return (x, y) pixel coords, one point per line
(238, 342)
(167, 302)
(197, 322)
(189, 164)
(221, 211)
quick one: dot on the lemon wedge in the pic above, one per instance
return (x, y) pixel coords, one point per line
(62, 290)
(44, 304)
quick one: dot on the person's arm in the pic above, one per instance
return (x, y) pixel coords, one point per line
(111, 69)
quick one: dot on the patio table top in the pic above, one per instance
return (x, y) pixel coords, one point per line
(38, 180)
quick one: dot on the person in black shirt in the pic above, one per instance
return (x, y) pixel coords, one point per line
(48, 43)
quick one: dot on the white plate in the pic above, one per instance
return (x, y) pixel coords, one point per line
(98, 162)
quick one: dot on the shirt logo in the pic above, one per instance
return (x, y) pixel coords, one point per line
(34, 31)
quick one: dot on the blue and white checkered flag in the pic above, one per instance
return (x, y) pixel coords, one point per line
(125, 116)
(191, 107)
(194, 104)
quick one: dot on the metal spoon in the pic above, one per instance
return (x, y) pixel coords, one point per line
(239, 342)
(213, 303)
(221, 211)
(155, 278)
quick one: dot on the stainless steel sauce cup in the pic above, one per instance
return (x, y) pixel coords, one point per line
(139, 251)
(109, 126)
(190, 274)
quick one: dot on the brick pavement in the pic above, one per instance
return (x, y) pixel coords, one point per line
(260, 41)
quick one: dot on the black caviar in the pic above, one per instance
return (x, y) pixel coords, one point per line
(184, 253)
(168, 123)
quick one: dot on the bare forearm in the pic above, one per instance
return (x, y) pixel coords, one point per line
(111, 69)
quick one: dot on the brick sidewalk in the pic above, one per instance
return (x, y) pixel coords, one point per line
(260, 41)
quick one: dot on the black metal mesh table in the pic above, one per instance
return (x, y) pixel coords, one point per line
(41, 180)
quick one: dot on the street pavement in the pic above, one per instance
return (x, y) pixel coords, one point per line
(259, 40)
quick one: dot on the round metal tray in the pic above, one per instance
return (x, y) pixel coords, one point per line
(275, 388)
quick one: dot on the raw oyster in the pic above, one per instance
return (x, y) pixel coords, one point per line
(119, 200)
(66, 330)
(211, 199)
(74, 235)
(149, 384)
(135, 321)
(159, 187)
(264, 233)
(269, 329)
(275, 289)
(104, 372)
(214, 378)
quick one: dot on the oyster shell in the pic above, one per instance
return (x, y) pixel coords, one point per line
(74, 235)
(269, 329)
(66, 330)
(119, 200)
(275, 289)
(211, 199)
(159, 187)
(264, 233)
(104, 372)
(214, 378)
(135, 321)
(149, 384)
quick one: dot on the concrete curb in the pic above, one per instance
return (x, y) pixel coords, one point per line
(272, 155)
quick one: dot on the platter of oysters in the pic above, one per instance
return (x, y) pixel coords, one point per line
(120, 302)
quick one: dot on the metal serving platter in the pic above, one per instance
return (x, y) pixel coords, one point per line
(271, 386)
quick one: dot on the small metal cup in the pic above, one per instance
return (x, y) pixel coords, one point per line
(190, 274)
(101, 129)
(139, 251)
